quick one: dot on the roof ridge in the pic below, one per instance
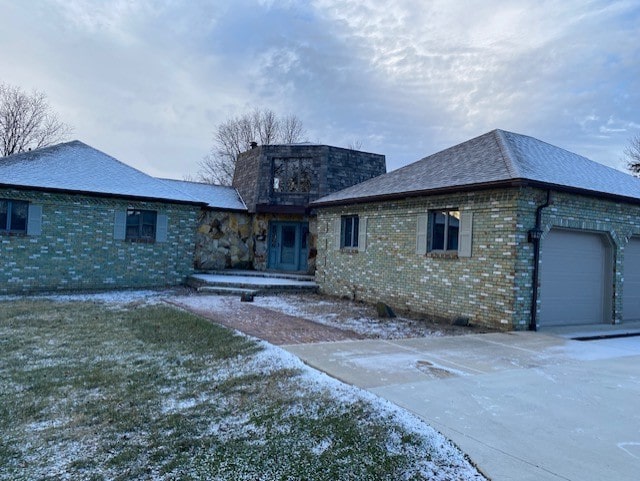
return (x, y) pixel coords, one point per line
(507, 154)
(196, 182)
(40, 150)
(134, 169)
(181, 188)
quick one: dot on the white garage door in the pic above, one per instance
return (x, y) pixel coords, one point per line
(574, 278)
(631, 288)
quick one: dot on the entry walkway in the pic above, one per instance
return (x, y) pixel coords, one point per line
(523, 406)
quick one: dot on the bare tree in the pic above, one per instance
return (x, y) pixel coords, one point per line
(291, 130)
(355, 144)
(632, 155)
(27, 121)
(235, 135)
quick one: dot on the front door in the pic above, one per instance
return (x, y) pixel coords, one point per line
(288, 246)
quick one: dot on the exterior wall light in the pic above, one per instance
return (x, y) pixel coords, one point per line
(535, 234)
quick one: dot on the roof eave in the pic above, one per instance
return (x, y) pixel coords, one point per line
(100, 194)
(582, 191)
(472, 187)
(418, 193)
(227, 209)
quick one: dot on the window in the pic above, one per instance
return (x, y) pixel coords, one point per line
(446, 233)
(13, 216)
(141, 225)
(445, 228)
(349, 231)
(292, 175)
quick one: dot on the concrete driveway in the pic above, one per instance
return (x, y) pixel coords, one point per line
(523, 406)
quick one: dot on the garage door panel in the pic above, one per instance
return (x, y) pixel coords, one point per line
(574, 268)
(631, 286)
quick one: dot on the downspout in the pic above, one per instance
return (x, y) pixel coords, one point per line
(535, 235)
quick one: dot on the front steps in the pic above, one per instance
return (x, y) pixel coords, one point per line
(251, 283)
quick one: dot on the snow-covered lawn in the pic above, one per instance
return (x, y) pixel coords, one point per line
(120, 386)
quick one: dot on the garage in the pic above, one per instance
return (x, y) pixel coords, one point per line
(631, 286)
(575, 278)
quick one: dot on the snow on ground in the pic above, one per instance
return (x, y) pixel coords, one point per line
(251, 280)
(358, 322)
(109, 297)
(338, 313)
(345, 314)
(315, 380)
(446, 461)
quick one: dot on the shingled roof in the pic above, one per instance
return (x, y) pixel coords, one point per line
(216, 196)
(495, 159)
(79, 168)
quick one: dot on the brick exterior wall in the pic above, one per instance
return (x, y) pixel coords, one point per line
(618, 221)
(493, 286)
(77, 250)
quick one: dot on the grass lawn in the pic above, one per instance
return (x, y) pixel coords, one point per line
(132, 391)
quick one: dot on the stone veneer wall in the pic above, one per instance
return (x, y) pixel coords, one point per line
(77, 250)
(494, 286)
(225, 240)
(236, 240)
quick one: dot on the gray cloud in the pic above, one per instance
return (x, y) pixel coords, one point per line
(146, 81)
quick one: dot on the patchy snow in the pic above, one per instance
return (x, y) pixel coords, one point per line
(598, 349)
(212, 303)
(631, 448)
(347, 315)
(218, 196)
(315, 380)
(445, 462)
(110, 297)
(78, 167)
(537, 160)
(497, 156)
(337, 313)
(251, 280)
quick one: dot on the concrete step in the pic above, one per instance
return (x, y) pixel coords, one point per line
(231, 291)
(250, 284)
(262, 274)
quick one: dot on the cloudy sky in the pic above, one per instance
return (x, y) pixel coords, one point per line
(147, 80)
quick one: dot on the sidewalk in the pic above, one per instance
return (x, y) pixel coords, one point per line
(523, 406)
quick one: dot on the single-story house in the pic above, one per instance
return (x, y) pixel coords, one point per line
(72, 217)
(504, 230)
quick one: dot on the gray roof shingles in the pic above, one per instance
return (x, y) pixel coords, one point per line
(77, 167)
(216, 196)
(497, 157)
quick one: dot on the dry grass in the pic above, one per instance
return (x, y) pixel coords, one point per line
(95, 391)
